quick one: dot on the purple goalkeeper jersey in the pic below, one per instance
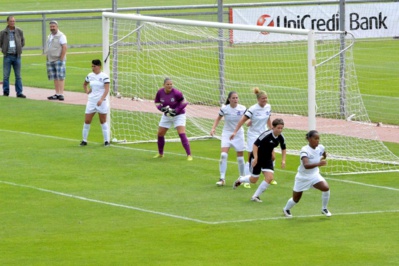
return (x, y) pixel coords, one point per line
(174, 99)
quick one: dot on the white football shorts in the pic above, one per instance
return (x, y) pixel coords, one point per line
(238, 143)
(251, 138)
(303, 182)
(91, 107)
(176, 121)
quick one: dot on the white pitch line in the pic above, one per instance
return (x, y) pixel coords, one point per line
(196, 157)
(304, 216)
(183, 217)
(37, 135)
(178, 216)
(104, 202)
(115, 146)
(362, 184)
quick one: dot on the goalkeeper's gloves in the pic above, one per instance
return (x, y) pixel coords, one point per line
(171, 112)
(165, 109)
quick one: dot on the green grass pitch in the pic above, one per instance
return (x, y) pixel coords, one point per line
(68, 205)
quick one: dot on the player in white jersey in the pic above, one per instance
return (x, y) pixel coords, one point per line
(259, 121)
(232, 113)
(312, 156)
(97, 101)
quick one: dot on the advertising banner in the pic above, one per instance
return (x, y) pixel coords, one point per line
(375, 20)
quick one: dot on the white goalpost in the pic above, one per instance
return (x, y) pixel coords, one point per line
(301, 70)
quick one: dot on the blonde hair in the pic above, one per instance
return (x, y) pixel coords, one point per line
(259, 93)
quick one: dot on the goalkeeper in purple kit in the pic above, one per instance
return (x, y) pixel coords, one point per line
(171, 102)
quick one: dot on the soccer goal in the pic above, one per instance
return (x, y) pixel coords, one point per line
(309, 77)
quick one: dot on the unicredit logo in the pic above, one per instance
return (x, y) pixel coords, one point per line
(356, 22)
(262, 20)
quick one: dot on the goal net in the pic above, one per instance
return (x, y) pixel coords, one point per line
(309, 77)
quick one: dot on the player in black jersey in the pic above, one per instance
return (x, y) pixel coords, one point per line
(261, 158)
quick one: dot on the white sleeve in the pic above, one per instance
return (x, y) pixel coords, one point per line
(248, 113)
(303, 153)
(63, 39)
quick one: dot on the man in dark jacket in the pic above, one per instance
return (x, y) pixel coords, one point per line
(11, 42)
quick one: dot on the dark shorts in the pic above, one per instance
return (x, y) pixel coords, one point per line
(265, 166)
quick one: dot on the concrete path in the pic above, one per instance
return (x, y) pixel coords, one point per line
(384, 132)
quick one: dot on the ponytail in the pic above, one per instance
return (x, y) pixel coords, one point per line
(258, 92)
(228, 97)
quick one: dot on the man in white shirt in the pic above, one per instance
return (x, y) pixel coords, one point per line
(55, 50)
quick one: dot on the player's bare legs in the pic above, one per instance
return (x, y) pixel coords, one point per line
(59, 86)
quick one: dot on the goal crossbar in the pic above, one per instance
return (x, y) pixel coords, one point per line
(205, 23)
(305, 32)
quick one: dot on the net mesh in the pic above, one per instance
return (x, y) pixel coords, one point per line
(145, 53)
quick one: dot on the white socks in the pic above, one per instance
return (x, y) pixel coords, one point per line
(86, 130)
(85, 133)
(241, 165)
(262, 187)
(104, 128)
(223, 164)
(246, 169)
(325, 197)
(290, 204)
(244, 179)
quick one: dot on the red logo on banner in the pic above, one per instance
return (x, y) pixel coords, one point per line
(261, 22)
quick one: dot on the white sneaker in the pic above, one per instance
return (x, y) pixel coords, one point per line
(256, 199)
(221, 182)
(326, 212)
(287, 213)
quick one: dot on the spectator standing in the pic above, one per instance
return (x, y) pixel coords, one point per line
(55, 50)
(11, 42)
